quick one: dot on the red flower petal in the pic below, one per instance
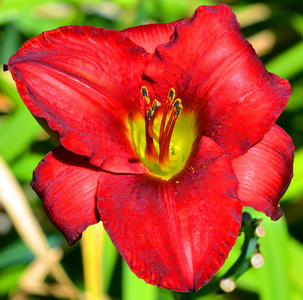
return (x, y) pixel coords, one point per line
(67, 185)
(86, 83)
(217, 74)
(174, 234)
(265, 171)
(152, 35)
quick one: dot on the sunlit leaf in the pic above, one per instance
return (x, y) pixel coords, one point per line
(295, 190)
(17, 133)
(135, 288)
(109, 261)
(23, 167)
(296, 267)
(289, 63)
(9, 279)
(10, 41)
(10, 90)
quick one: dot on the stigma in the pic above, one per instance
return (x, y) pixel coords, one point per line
(159, 149)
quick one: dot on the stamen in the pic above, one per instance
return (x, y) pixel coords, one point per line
(150, 150)
(172, 110)
(151, 113)
(165, 140)
(170, 99)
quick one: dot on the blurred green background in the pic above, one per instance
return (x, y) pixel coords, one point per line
(275, 29)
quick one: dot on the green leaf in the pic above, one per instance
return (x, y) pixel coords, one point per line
(10, 91)
(23, 167)
(9, 279)
(275, 275)
(17, 133)
(110, 256)
(296, 267)
(295, 190)
(289, 63)
(135, 288)
(18, 253)
(15, 253)
(10, 41)
(297, 22)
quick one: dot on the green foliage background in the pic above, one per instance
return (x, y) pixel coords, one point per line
(276, 24)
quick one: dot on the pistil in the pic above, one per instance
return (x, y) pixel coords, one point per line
(172, 110)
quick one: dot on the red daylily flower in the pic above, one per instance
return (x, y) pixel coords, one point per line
(168, 177)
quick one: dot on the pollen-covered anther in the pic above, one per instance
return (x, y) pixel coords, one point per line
(151, 112)
(170, 113)
(171, 94)
(144, 93)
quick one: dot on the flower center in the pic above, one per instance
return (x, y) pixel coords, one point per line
(169, 118)
(164, 141)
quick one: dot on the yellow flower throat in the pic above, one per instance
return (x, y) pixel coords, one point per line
(167, 143)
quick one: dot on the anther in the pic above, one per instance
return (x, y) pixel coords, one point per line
(177, 103)
(178, 110)
(156, 104)
(144, 93)
(171, 94)
(149, 114)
